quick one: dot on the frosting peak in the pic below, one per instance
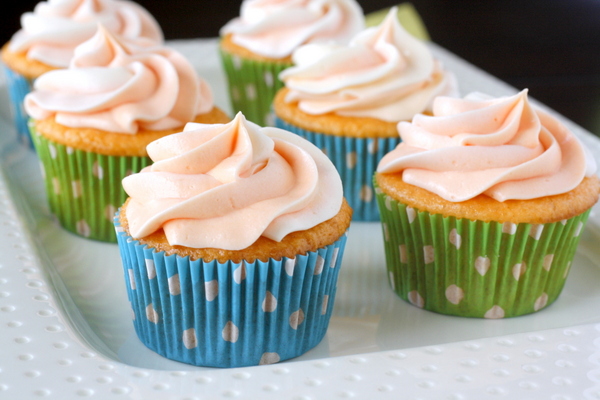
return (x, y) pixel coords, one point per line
(384, 73)
(117, 85)
(274, 28)
(225, 185)
(52, 31)
(503, 147)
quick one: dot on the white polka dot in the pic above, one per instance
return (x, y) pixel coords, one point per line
(131, 279)
(351, 160)
(547, 264)
(324, 305)
(578, 229)
(151, 314)
(269, 304)
(109, 212)
(455, 238)
(373, 146)
(366, 194)
(250, 91)
(567, 270)
(70, 150)
(495, 312)
(269, 358)
(540, 302)
(386, 232)
(482, 265)
(519, 269)
(237, 62)
(83, 228)
(230, 333)
(319, 265)
(388, 202)
(211, 289)
(334, 257)
(428, 254)
(56, 185)
(97, 170)
(174, 285)
(509, 227)
(454, 294)
(289, 266)
(189, 338)
(536, 231)
(235, 94)
(150, 269)
(403, 254)
(392, 281)
(239, 274)
(268, 78)
(42, 170)
(563, 221)
(77, 189)
(411, 214)
(415, 299)
(296, 318)
(52, 151)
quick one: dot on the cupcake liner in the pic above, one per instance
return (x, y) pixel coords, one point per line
(356, 160)
(474, 268)
(229, 314)
(18, 87)
(84, 188)
(252, 86)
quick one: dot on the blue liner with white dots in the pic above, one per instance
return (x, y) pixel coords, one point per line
(356, 160)
(232, 314)
(18, 88)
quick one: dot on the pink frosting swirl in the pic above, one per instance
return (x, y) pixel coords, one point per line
(275, 28)
(383, 73)
(119, 86)
(504, 148)
(52, 31)
(225, 185)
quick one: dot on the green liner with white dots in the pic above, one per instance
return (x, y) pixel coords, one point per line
(474, 268)
(84, 188)
(252, 86)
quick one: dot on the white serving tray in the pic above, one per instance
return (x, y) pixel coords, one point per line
(66, 330)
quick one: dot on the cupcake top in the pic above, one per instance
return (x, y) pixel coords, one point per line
(116, 85)
(275, 28)
(501, 147)
(225, 185)
(383, 73)
(51, 32)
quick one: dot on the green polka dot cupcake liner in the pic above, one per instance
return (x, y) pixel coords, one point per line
(230, 314)
(356, 160)
(18, 87)
(84, 188)
(252, 86)
(474, 268)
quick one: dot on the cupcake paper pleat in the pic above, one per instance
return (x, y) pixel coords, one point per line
(230, 314)
(84, 188)
(18, 88)
(474, 268)
(356, 161)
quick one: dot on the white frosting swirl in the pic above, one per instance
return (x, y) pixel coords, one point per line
(119, 86)
(51, 32)
(275, 28)
(384, 73)
(225, 185)
(504, 148)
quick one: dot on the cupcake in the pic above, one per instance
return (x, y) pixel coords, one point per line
(231, 243)
(91, 123)
(482, 206)
(348, 100)
(258, 44)
(49, 35)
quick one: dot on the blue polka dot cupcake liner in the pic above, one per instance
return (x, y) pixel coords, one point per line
(252, 86)
(229, 314)
(18, 87)
(356, 160)
(84, 188)
(477, 269)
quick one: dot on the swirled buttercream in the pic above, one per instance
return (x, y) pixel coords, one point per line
(501, 147)
(225, 185)
(275, 28)
(51, 32)
(118, 86)
(383, 73)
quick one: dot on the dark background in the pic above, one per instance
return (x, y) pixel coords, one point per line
(551, 47)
